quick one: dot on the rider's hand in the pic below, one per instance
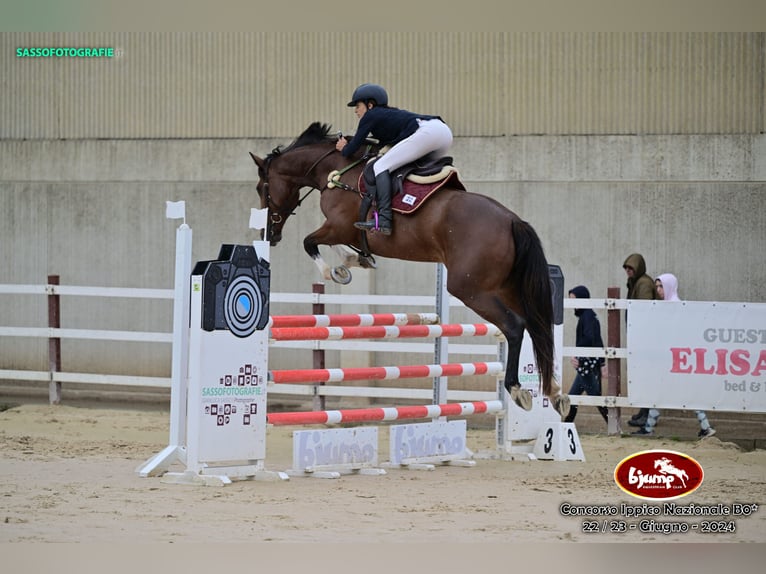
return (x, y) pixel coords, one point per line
(341, 143)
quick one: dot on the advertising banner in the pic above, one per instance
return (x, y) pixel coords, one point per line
(697, 355)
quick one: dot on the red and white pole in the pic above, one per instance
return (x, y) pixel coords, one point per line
(384, 414)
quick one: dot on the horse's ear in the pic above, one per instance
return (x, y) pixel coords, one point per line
(258, 161)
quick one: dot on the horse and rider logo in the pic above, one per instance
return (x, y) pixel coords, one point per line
(658, 474)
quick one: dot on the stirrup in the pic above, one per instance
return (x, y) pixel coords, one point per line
(371, 225)
(374, 225)
(366, 225)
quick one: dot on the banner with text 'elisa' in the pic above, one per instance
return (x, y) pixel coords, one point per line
(697, 355)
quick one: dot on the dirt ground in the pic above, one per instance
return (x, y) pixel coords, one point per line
(68, 474)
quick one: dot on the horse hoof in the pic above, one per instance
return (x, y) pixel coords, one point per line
(367, 262)
(522, 397)
(562, 404)
(341, 274)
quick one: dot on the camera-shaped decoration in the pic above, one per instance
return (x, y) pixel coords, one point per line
(235, 291)
(557, 292)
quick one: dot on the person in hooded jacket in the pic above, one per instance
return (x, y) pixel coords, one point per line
(667, 290)
(589, 369)
(640, 286)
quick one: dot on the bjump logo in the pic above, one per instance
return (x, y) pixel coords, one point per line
(658, 474)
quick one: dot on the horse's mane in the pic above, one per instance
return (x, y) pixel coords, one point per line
(316, 133)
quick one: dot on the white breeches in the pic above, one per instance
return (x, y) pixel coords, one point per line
(433, 138)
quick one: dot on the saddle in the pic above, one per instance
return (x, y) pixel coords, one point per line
(411, 186)
(414, 183)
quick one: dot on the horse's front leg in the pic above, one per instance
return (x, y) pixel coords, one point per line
(347, 257)
(325, 236)
(311, 246)
(352, 258)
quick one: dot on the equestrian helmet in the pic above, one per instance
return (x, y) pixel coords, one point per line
(369, 92)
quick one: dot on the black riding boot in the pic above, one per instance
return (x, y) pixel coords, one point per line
(382, 191)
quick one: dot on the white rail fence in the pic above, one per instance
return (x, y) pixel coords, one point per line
(424, 302)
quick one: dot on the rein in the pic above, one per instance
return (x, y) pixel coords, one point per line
(335, 176)
(277, 213)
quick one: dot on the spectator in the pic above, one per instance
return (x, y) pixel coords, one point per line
(667, 290)
(589, 369)
(640, 286)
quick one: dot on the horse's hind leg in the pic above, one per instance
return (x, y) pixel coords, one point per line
(514, 335)
(521, 396)
(492, 308)
(512, 326)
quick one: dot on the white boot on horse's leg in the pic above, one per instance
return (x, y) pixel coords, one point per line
(521, 397)
(324, 268)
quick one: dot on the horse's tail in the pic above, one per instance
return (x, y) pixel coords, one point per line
(531, 278)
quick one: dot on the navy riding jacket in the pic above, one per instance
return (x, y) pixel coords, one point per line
(388, 125)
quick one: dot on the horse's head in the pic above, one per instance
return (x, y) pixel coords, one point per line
(276, 195)
(281, 177)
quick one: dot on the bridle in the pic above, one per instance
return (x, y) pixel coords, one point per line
(277, 213)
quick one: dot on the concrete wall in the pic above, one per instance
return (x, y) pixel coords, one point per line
(94, 213)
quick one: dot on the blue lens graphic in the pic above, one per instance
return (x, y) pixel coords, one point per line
(244, 303)
(242, 306)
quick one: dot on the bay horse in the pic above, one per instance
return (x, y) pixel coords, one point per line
(495, 261)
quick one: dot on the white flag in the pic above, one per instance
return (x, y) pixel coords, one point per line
(258, 218)
(175, 210)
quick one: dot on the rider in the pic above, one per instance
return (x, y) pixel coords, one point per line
(411, 136)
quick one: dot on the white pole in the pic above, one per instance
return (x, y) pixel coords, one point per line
(180, 358)
(441, 345)
(176, 449)
(502, 424)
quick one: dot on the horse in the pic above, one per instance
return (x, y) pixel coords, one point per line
(495, 261)
(666, 467)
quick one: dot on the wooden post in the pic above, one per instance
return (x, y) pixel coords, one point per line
(613, 366)
(54, 343)
(318, 354)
